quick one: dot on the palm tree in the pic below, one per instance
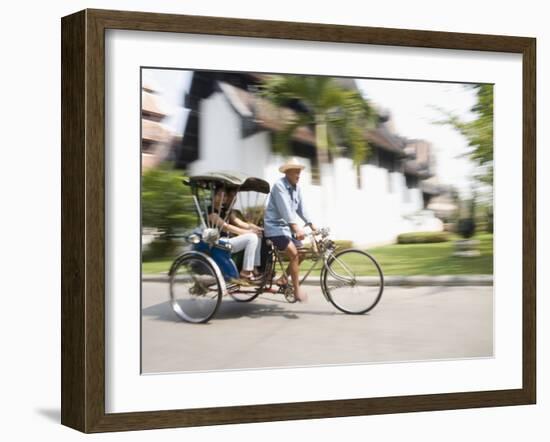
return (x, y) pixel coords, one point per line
(340, 116)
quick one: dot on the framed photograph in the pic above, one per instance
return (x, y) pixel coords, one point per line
(267, 221)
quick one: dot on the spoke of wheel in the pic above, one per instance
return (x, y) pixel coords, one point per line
(339, 277)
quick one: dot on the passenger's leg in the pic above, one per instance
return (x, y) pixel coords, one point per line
(247, 242)
(258, 253)
(238, 243)
(249, 252)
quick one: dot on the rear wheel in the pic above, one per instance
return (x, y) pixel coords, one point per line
(250, 293)
(195, 289)
(352, 281)
(245, 295)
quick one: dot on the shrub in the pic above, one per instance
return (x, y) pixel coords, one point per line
(482, 226)
(166, 204)
(167, 207)
(423, 237)
(160, 248)
(466, 227)
(343, 244)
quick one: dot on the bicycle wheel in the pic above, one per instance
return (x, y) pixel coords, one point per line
(245, 294)
(352, 281)
(195, 289)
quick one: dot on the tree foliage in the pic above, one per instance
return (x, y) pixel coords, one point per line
(479, 131)
(340, 116)
(167, 203)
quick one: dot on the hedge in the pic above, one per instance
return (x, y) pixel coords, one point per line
(423, 237)
(343, 244)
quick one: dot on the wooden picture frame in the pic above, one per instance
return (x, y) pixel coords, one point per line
(83, 220)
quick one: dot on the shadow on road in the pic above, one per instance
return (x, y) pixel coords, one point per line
(230, 309)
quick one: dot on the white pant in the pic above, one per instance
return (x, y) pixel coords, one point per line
(250, 243)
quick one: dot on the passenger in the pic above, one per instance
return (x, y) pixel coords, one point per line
(246, 235)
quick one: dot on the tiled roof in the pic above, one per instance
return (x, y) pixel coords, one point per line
(269, 116)
(152, 104)
(264, 113)
(153, 131)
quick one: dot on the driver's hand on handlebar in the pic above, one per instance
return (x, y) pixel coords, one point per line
(298, 232)
(312, 227)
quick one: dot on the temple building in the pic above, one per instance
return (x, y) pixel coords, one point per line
(155, 137)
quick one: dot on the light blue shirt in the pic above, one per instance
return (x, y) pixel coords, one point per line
(284, 205)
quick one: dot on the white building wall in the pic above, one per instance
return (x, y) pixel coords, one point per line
(373, 214)
(256, 152)
(384, 198)
(220, 136)
(416, 202)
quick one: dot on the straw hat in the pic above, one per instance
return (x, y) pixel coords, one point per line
(291, 164)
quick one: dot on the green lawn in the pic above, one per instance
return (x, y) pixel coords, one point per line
(156, 266)
(407, 259)
(434, 259)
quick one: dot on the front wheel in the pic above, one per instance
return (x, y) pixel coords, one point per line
(352, 281)
(195, 288)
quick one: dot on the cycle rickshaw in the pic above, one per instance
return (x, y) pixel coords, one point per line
(207, 271)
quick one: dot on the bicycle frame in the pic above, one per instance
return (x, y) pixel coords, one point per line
(326, 256)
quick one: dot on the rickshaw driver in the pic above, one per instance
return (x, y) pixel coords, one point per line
(285, 204)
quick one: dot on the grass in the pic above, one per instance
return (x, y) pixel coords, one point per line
(434, 259)
(406, 259)
(156, 266)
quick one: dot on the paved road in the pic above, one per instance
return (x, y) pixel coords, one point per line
(408, 324)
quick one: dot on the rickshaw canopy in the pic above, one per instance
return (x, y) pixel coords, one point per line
(241, 181)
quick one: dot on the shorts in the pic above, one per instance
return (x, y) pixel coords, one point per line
(282, 241)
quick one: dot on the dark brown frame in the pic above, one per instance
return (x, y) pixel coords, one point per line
(83, 216)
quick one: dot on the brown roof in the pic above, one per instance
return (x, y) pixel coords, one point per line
(384, 140)
(153, 131)
(272, 117)
(265, 113)
(150, 103)
(420, 170)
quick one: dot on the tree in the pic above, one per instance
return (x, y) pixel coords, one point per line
(166, 205)
(478, 132)
(340, 116)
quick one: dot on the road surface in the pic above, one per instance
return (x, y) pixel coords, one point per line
(409, 324)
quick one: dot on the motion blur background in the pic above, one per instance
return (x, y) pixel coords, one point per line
(386, 161)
